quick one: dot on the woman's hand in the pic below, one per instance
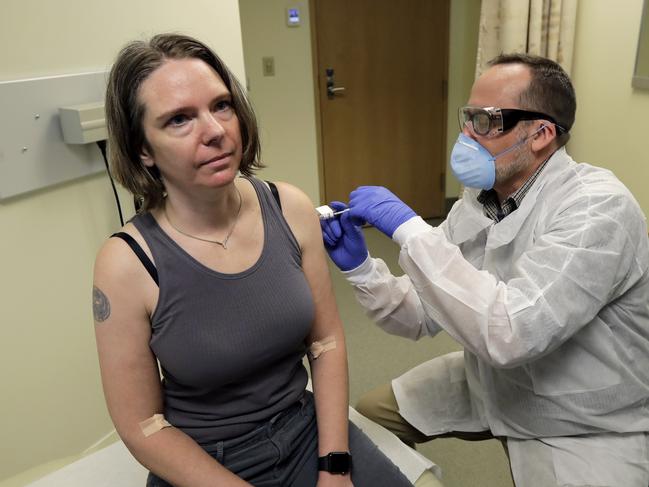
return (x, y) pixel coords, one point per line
(326, 479)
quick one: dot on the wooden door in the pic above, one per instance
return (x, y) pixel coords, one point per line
(388, 126)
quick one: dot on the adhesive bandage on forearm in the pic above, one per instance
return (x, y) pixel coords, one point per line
(319, 347)
(154, 424)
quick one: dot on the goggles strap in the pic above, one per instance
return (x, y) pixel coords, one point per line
(518, 144)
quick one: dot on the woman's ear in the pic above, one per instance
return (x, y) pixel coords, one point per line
(146, 158)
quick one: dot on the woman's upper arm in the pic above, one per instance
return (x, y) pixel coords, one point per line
(129, 370)
(303, 220)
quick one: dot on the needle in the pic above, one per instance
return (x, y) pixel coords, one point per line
(326, 212)
(336, 213)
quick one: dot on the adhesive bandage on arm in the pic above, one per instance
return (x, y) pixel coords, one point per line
(154, 424)
(319, 347)
(325, 212)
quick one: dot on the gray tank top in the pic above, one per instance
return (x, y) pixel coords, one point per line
(230, 345)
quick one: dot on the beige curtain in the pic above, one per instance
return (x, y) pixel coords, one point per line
(542, 27)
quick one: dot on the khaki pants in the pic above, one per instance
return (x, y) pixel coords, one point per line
(381, 406)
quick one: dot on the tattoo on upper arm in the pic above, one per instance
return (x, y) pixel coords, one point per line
(100, 305)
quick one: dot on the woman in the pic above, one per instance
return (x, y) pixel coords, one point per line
(233, 290)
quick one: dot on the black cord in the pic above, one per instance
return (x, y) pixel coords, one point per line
(102, 148)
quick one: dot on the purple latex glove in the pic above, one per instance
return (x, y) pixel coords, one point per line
(379, 207)
(343, 240)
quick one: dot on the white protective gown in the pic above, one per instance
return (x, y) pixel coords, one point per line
(551, 305)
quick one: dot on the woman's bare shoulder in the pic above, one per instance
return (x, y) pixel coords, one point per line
(300, 214)
(294, 200)
(116, 264)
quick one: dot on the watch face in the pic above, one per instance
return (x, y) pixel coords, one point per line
(339, 462)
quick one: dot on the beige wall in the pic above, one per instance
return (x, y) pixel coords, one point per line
(611, 125)
(463, 45)
(642, 67)
(51, 404)
(284, 103)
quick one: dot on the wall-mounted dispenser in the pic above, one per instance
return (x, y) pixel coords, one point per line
(83, 124)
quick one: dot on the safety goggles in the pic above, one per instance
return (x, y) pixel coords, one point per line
(493, 121)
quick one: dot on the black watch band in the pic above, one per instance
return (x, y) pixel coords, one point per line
(336, 462)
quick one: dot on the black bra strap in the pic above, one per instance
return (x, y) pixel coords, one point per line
(146, 262)
(273, 189)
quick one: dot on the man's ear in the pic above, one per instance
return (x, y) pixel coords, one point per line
(546, 135)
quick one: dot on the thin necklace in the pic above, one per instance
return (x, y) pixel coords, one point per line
(224, 242)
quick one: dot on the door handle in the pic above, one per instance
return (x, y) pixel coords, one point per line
(332, 89)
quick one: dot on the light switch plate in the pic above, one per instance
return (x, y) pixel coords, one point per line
(268, 66)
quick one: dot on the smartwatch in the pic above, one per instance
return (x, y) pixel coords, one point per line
(336, 462)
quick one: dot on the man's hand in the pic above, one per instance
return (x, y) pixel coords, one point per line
(343, 240)
(379, 207)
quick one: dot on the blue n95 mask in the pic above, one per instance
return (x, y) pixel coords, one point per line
(473, 165)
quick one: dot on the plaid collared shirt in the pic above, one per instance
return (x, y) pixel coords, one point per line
(492, 207)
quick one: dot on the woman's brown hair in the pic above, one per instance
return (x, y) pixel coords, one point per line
(124, 112)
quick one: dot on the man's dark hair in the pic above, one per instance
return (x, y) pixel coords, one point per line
(550, 90)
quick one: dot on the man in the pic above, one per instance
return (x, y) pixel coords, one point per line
(540, 271)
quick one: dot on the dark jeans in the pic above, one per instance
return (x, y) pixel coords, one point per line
(284, 453)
